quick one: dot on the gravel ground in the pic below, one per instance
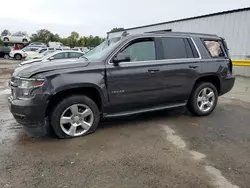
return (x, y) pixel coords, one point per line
(162, 149)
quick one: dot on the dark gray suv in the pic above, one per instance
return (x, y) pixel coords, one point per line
(138, 73)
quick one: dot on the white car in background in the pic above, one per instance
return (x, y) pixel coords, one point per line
(58, 55)
(16, 38)
(39, 55)
(20, 54)
(57, 45)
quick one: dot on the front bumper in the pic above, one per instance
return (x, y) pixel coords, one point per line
(30, 112)
(227, 84)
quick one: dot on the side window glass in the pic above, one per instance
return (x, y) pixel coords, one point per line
(61, 56)
(141, 51)
(33, 49)
(174, 48)
(74, 55)
(214, 48)
(42, 50)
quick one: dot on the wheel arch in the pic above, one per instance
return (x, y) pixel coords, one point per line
(213, 79)
(89, 90)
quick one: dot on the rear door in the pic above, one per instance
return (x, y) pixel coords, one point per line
(134, 84)
(180, 70)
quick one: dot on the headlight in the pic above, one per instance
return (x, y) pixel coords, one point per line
(26, 86)
(30, 83)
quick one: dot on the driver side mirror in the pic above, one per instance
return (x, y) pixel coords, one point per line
(51, 58)
(121, 57)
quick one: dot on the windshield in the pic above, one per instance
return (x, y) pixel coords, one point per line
(102, 50)
(27, 49)
(47, 52)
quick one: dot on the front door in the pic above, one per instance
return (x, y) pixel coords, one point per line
(134, 84)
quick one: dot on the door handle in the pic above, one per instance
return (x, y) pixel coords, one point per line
(193, 67)
(153, 70)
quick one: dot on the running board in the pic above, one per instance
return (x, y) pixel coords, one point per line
(127, 113)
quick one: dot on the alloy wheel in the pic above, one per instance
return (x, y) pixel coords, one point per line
(76, 120)
(206, 99)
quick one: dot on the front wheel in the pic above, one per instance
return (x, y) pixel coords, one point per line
(75, 116)
(18, 57)
(203, 99)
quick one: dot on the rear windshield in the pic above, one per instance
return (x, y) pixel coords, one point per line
(215, 48)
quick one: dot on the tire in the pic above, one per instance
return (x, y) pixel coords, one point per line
(64, 107)
(25, 40)
(18, 56)
(6, 39)
(198, 99)
(6, 56)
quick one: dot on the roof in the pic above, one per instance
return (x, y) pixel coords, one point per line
(176, 34)
(190, 18)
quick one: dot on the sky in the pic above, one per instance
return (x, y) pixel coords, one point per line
(96, 17)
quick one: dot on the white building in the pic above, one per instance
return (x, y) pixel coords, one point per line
(233, 25)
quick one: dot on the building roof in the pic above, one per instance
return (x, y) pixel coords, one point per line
(190, 18)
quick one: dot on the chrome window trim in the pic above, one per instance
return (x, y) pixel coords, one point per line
(186, 37)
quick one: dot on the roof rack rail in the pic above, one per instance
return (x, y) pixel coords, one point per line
(178, 32)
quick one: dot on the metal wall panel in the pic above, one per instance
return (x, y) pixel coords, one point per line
(234, 27)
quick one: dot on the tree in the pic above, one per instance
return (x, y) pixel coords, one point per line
(117, 29)
(1, 42)
(73, 40)
(42, 35)
(74, 35)
(5, 32)
(21, 33)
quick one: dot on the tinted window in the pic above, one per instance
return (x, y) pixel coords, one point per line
(74, 55)
(33, 49)
(175, 48)
(214, 48)
(51, 48)
(61, 55)
(42, 50)
(141, 51)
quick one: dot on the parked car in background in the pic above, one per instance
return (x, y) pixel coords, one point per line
(39, 54)
(17, 54)
(81, 49)
(38, 44)
(4, 52)
(58, 55)
(40, 50)
(20, 54)
(16, 38)
(57, 45)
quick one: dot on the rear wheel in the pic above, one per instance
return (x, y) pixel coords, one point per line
(75, 116)
(18, 56)
(203, 99)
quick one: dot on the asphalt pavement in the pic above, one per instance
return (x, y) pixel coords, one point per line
(162, 149)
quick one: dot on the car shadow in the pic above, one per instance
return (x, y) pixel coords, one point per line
(142, 118)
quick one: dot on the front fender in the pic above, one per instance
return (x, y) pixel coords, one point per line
(68, 81)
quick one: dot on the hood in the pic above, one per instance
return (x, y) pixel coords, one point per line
(28, 70)
(30, 61)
